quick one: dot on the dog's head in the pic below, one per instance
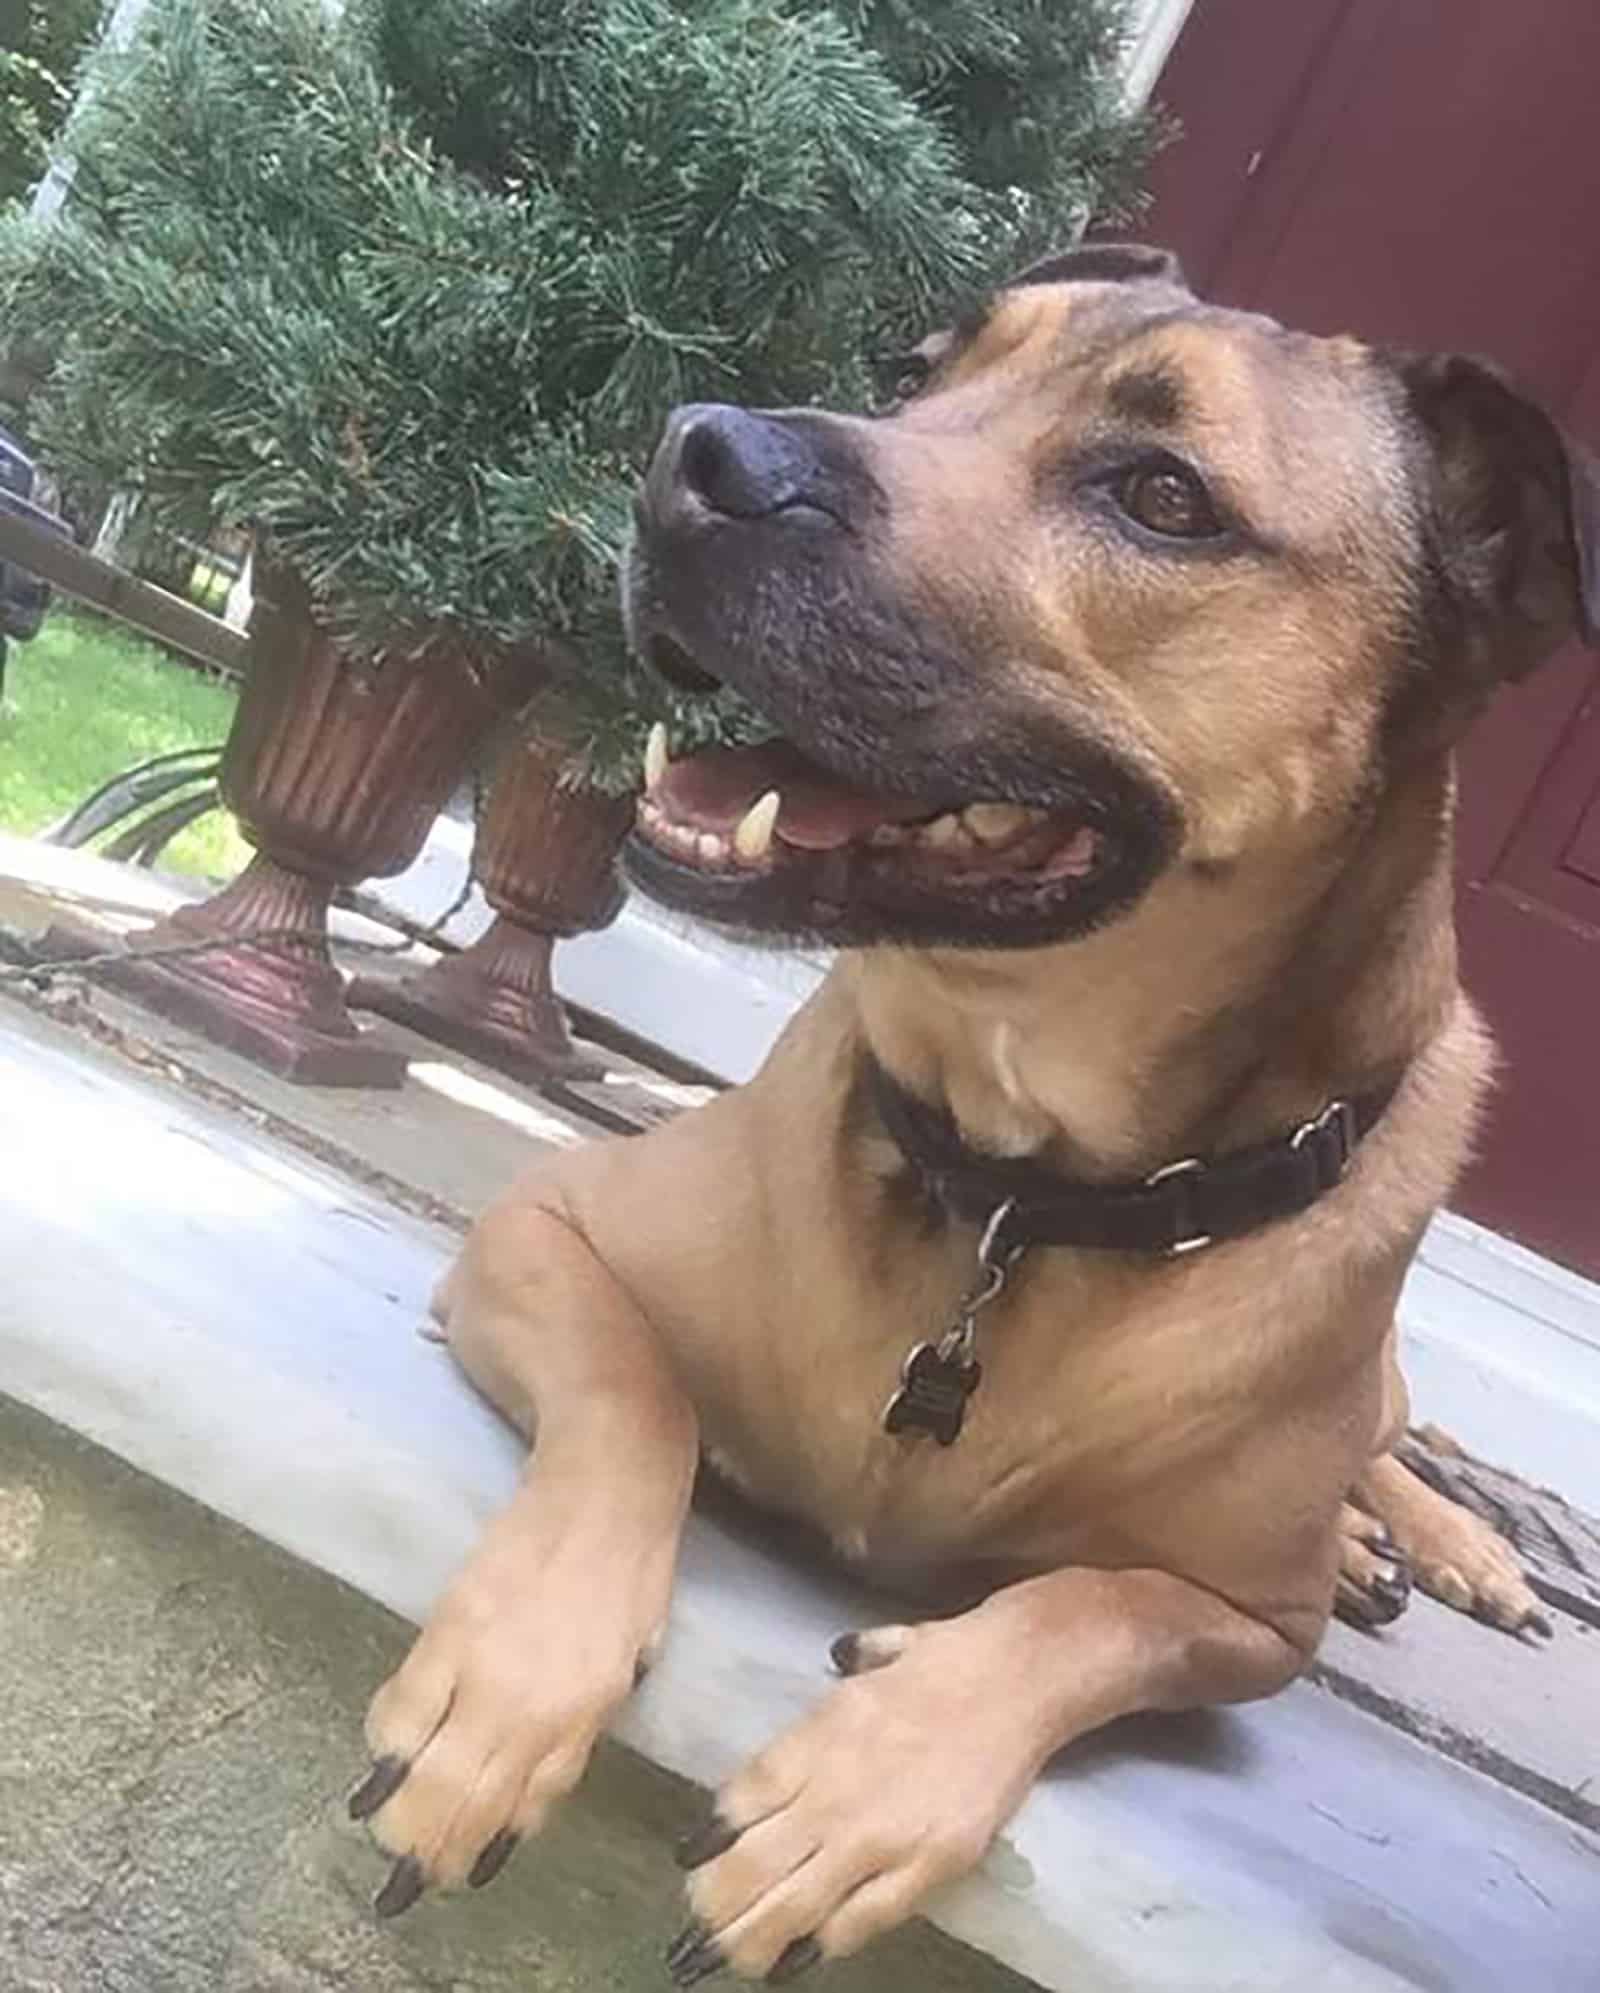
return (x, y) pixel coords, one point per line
(1122, 583)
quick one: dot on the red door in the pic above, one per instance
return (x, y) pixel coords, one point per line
(1429, 173)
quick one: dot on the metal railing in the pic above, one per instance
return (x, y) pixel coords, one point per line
(31, 538)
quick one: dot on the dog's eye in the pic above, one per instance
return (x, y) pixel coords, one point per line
(1169, 500)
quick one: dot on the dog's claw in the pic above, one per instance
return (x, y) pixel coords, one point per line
(699, 1965)
(845, 1653)
(688, 1940)
(379, 1786)
(404, 1886)
(494, 1857)
(801, 1956)
(694, 1955)
(706, 1843)
(1390, 1593)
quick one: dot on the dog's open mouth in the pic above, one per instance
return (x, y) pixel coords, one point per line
(906, 798)
(767, 838)
(754, 809)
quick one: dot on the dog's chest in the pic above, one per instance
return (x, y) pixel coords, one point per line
(1085, 1390)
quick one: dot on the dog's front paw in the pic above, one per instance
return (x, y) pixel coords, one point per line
(486, 1725)
(894, 1786)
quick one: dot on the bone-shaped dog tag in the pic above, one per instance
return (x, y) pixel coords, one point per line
(933, 1394)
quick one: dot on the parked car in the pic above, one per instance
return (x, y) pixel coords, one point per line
(24, 598)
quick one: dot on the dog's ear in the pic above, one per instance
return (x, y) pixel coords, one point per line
(1102, 263)
(1515, 509)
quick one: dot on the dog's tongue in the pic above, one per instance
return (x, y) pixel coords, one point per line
(714, 789)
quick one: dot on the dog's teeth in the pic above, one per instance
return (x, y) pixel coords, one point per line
(994, 823)
(713, 850)
(656, 758)
(753, 839)
(943, 832)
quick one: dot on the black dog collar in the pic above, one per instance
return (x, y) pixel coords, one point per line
(1177, 1209)
(1021, 1203)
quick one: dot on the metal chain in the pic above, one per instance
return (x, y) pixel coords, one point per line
(996, 1261)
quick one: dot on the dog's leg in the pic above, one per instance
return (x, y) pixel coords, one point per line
(1454, 1555)
(493, 1715)
(899, 1780)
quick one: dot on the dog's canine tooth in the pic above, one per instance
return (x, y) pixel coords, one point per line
(943, 832)
(657, 760)
(753, 839)
(994, 823)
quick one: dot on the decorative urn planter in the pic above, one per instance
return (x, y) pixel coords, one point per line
(335, 769)
(546, 857)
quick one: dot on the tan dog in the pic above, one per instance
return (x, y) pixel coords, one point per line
(1118, 669)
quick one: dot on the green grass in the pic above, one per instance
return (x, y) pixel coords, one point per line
(86, 700)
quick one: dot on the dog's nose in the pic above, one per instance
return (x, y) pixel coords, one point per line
(743, 465)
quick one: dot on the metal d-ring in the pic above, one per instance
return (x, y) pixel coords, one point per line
(1187, 1240)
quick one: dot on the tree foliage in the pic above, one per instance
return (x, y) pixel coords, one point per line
(408, 289)
(41, 44)
(1030, 94)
